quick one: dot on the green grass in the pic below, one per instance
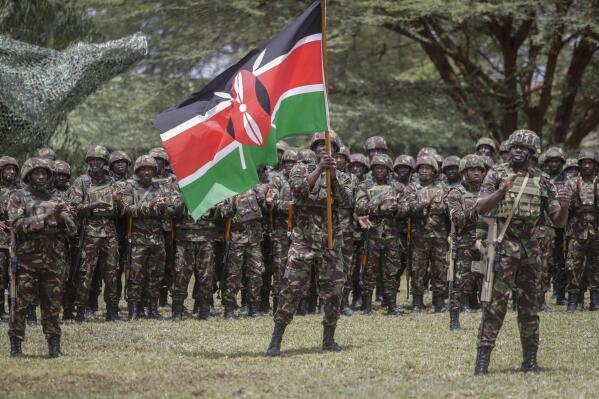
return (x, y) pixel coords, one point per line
(384, 357)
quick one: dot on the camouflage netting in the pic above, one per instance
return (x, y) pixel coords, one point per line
(40, 86)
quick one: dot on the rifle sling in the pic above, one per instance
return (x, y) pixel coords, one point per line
(511, 214)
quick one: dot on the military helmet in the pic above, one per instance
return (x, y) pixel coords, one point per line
(405, 160)
(542, 158)
(282, 146)
(47, 153)
(525, 138)
(34, 163)
(487, 161)
(344, 151)
(427, 160)
(375, 143)
(452, 160)
(6, 160)
(62, 167)
(486, 141)
(307, 156)
(439, 159)
(290, 155)
(160, 153)
(471, 161)
(145, 160)
(359, 158)
(424, 151)
(587, 153)
(98, 151)
(317, 137)
(571, 163)
(503, 147)
(382, 159)
(119, 155)
(555, 152)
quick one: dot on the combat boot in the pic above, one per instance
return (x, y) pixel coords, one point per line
(345, 308)
(264, 303)
(153, 311)
(177, 310)
(54, 346)
(417, 305)
(196, 306)
(572, 302)
(560, 298)
(392, 308)
(580, 305)
(466, 304)
(109, 314)
(594, 301)
(253, 310)
(366, 303)
(357, 300)
(133, 310)
(543, 307)
(204, 312)
(454, 320)
(302, 309)
(274, 348)
(439, 304)
(529, 361)
(483, 356)
(15, 347)
(229, 311)
(474, 303)
(68, 313)
(31, 316)
(328, 340)
(163, 299)
(80, 316)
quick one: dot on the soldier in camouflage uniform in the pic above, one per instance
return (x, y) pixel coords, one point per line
(92, 195)
(309, 241)
(119, 165)
(146, 202)
(486, 146)
(9, 169)
(571, 168)
(504, 152)
(40, 222)
(519, 252)
(378, 204)
(461, 202)
(429, 217)
(245, 254)
(375, 145)
(46, 153)
(451, 169)
(404, 166)
(583, 252)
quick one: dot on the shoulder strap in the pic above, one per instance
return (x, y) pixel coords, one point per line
(509, 217)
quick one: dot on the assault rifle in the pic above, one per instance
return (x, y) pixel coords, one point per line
(129, 252)
(452, 258)
(409, 256)
(491, 262)
(223, 276)
(14, 269)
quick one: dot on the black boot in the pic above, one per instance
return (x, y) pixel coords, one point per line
(302, 309)
(274, 348)
(417, 305)
(196, 306)
(594, 301)
(392, 308)
(439, 304)
(80, 316)
(177, 310)
(483, 356)
(163, 300)
(54, 346)
(529, 362)
(133, 310)
(572, 302)
(68, 313)
(345, 308)
(253, 310)
(264, 303)
(31, 316)
(229, 311)
(474, 303)
(466, 304)
(580, 305)
(454, 320)
(543, 307)
(328, 340)
(109, 314)
(153, 311)
(15, 347)
(366, 303)
(204, 312)
(560, 298)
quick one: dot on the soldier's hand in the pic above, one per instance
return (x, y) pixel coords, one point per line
(364, 222)
(564, 196)
(327, 162)
(507, 184)
(117, 197)
(3, 226)
(270, 197)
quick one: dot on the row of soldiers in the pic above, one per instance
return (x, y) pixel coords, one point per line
(393, 218)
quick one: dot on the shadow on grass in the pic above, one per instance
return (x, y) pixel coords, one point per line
(517, 371)
(261, 354)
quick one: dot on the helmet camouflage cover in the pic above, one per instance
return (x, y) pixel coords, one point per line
(33, 163)
(555, 152)
(572, 163)
(119, 155)
(145, 160)
(307, 156)
(282, 146)
(525, 138)
(503, 147)
(405, 160)
(160, 153)
(98, 151)
(290, 155)
(587, 153)
(47, 153)
(62, 167)
(383, 160)
(317, 137)
(6, 160)
(344, 151)
(359, 158)
(471, 161)
(427, 160)
(451, 160)
(426, 151)
(375, 143)
(486, 141)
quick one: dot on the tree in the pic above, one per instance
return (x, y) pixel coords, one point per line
(508, 64)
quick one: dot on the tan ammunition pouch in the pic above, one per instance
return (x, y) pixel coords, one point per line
(530, 202)
(247, 208)
(101, 195)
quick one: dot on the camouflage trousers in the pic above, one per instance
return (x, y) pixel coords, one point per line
(197, 258)
(4, 279)
(521, 275)
(559, 277)
(583, 257)
(147, 268)
(40, 275)
(465, 281)
(547, 263)
(347, 254)
(429, 253)
(102, 253)
(245, 261)
(330, 278)
(280, 249)
(384, 256)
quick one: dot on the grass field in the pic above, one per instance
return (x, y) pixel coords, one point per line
(384, 357)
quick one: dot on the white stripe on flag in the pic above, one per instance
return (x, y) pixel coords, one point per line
(196, 120)
(271, 64)
(206, 167)
(293, 92)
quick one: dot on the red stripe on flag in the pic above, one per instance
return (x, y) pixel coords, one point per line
(198, 145)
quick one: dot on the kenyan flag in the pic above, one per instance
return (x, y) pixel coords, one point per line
(219, 136)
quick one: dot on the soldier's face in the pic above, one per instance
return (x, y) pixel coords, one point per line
(60, 180)
(403, 172)
(288, 165)
(452, 173)
(95, 164)
(587, 167)
(39, 177)
(320, 149)
(146, 174)
(376, 151)
(9, 173)
(553, 165)
(474, 175)
(356, 168)
(341, 161)
(120, 167)
(160, 162)
(380, 173)
(485, 150)
(519, 155)
(425, 173)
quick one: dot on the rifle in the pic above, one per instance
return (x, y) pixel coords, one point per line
(171, 261)
(364, 255)
(77, 260)
(271, 243)
(128, 258)
(409, 266)
(491, 260)
(14, 269)
(452, 258)
(290, 221)
(223, 276)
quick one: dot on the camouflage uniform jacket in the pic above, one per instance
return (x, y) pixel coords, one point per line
(283, 202)
(246, 210)
(430, 221)
(5, 191)
(461, 202)
(169, 187)
(582, 217)
(204, 229)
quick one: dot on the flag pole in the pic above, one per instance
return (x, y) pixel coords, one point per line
(327, 135)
